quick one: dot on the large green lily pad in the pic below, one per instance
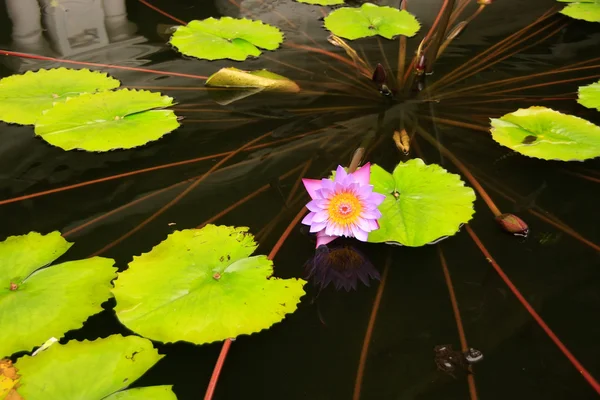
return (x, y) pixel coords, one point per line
(587, 10)
(37, 303)
(226, 37)
(23, 98)
(589, 96)
(104, 121)
(371, 20)
(541, 132)
(423, 203)
(206, 285)
(97, 370)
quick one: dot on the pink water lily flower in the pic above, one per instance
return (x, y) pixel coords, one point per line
(344, 206)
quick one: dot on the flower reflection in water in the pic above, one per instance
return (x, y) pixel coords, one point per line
(342, 265)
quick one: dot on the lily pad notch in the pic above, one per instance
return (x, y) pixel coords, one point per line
(121, 119)
(38, 302)
(371, 20)
(423, 204)
(544, 133)
(225, 38)
(207, 284)
(94, 370)
(23, 98)
(587, 10)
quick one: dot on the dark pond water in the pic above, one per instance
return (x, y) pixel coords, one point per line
(315, 353)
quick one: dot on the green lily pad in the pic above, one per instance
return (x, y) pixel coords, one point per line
(541, 132)
(587, 10)
(226, 37)
(204, 282)
(371, 20)
(423, 203)
(589, 96)
(37, 303)
(23, 98)
(104, 121)
(87, 370)
(322, 2)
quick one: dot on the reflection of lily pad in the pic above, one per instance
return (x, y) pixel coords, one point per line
(371, 20)
(589, 96)
(423, 203)
(246, 83)
(227, 37)
(547, 134)
(96, 370)
(587, 10)
(24, 97)
(204, 282)
(109, 120)
(322, 2)
(37, 303)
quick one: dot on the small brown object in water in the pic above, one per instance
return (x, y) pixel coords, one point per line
(402, 141)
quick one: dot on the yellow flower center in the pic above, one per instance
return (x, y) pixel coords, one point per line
(344, 208)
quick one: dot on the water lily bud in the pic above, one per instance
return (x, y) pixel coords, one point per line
(513, 224)
(421, 66)
(379, 75)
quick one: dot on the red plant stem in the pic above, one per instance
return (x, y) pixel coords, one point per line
(247, 198)
(493, 50)
(227, 344)
(98, 65)
(286, 233)
(179, 196)
(150, 169)
(430, 33)
(488, 200)
(369, 333)
(401, 54)
(298, 181)
(584, 372)
(463, 72)
(210, 390)
(582, 176)
(158, 10)
(432, 51)
(547, 217)
(458, 123)
(327, 53)
(471, 89)
(545, 84)
(459, 324)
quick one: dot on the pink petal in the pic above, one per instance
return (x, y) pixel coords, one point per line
(333, 230)
(322, 238)
(308, 218)
(373, 224)
(376, 198)
(340, 173)
(321, 216)
(359, 233)
(312, 185)
(313, 206)
(363, 174)
(327, 184)
(370, 214)
(317, 226)
(363, 224)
